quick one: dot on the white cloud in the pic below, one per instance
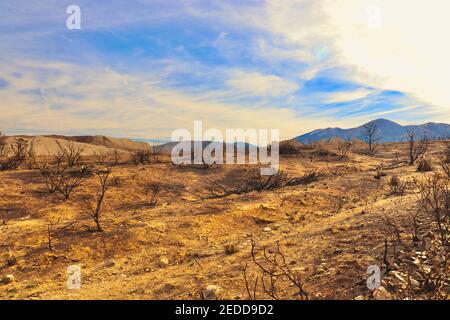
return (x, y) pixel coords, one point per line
(405, 50)
(257, 84)
(408, 53)
(346, 96)
(95, 100)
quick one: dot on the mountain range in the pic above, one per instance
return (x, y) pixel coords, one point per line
(388, 131)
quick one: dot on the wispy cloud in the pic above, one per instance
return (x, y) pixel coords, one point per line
(346, 96)
(258, 84)
(143, 68)
(70, 99)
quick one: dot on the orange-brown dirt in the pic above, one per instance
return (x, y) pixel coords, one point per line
(174, 249)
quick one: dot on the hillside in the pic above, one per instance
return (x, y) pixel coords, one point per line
(90, 145)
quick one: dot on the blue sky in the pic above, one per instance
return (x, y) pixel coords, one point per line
(142, 68)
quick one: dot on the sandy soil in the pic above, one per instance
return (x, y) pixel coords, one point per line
(176, 248)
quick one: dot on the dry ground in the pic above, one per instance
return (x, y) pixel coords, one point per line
(174, 249)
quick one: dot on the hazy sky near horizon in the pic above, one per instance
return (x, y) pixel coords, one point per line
(142, 68)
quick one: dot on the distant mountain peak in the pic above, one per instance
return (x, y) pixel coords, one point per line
(389, 131)
(383, 122)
